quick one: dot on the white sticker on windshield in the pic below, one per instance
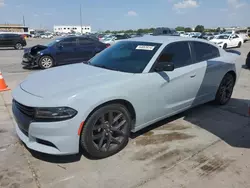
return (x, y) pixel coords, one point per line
(143, 47)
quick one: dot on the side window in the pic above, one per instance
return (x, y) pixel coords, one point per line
(177, 53)
(235, 36)
(69, 42)
(85, 41)
(204, 51)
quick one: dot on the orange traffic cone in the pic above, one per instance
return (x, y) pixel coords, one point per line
(3, 86)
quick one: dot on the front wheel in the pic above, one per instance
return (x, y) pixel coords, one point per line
(225, 89)
(46, 62)
(106, 131)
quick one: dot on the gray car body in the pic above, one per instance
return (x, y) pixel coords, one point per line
(153, 96)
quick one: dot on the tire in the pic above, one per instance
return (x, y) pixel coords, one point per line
(239, 45)
(100, 138)
(248, 63)
(225, 89)
(225, 46)
(46, 62)
(18, 46)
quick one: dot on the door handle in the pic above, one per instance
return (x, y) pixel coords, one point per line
(193, 75)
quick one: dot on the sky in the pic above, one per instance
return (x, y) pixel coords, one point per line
(129, 14)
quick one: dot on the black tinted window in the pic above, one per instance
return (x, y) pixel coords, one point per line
(177, 53)
(126, 56)
(205, 51)
(68, 42)
(85, 41)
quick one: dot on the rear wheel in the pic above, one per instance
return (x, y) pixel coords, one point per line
(225, 46)
(18, 46)
(239, 44)
(46, 62)
(106, 131)
(225, 89)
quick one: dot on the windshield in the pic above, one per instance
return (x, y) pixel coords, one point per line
(52, 43)
(223, 37)
(126, 56)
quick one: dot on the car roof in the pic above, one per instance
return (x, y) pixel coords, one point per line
(164, 39)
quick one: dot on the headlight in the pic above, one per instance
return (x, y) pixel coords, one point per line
(59, 113)
(40, 53)
(219, 42)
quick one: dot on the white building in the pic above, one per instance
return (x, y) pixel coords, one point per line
(71, 29)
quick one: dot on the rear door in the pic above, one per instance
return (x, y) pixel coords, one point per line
(66, 52)
(87, 48)
(208, 56)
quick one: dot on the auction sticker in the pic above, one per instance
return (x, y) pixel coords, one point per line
(144, 47)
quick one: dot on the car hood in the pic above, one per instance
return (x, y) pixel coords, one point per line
(70, 78)
(33, 50)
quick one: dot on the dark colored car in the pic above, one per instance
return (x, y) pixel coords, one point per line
(66, 50)
(12, 40)
(121, 37)
(248, 61)
(165, 31)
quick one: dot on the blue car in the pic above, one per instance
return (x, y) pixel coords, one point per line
(66, 50)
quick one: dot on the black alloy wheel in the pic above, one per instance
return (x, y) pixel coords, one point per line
(225, 90)
(106, 132)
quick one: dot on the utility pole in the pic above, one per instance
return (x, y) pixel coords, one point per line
(81, 17)
(23, 21)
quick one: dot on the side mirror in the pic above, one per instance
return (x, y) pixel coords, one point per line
(59, 45)
(164, 66)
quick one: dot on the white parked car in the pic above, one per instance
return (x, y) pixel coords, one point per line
(244, 36)
(47, 36)
(228, 41)
(109, 40)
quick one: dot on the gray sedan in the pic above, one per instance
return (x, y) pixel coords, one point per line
(123, 89)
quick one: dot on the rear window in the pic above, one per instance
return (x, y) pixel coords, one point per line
(126, 56)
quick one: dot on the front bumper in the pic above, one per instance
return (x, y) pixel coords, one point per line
(56, 138)
(30, 61)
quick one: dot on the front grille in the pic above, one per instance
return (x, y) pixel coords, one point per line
(29, 111)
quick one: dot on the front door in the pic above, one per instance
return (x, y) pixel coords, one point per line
(66, 51)
(175, 90)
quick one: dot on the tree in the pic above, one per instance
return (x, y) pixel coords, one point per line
(188, 29)
(199, 28)
(180, 28)
(108, 31)
(248, 28)
(218, 29)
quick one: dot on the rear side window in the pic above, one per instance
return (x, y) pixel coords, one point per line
(204, 52)
(85, 41)
(177, 53)
(69, 42)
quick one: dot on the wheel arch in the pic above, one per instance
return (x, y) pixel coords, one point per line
(123, 102)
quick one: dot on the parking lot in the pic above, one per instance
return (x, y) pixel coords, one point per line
(208, 146)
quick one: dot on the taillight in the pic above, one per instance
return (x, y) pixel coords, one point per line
(107, 45)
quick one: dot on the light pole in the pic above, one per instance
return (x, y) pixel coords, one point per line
(81, 17)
